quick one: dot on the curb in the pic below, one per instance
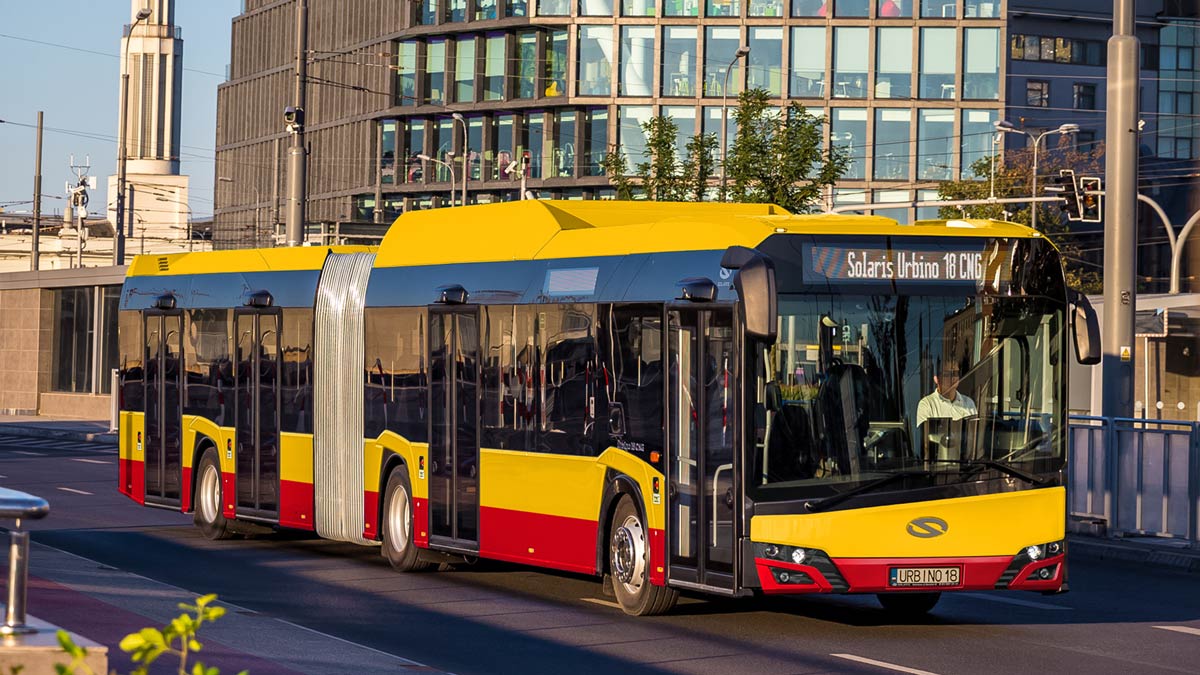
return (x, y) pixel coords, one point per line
(99, 437)
(1180, 560)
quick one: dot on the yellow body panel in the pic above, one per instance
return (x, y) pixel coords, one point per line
(131, 425)
(411, 453)
(560, 485)
(623, 462)
(296, 457)
(240, 260)
(194, 425)
(986, 525)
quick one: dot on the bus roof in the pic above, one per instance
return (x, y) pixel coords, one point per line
(541, 230)
(299, 258)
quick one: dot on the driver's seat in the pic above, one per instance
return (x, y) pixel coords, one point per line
(843, 401)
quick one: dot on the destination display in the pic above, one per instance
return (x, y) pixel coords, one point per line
(874, 262)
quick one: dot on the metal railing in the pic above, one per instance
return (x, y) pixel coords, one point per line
(1139, 476)
(18, 506)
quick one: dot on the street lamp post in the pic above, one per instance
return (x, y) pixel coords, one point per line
(740, 53)
(257, 201)
(119, 226)
(466, 154)
(449, 169)
(1004, 126)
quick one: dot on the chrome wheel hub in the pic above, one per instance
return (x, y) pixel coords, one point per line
(398, 520)
(210, 494)
(628, 554)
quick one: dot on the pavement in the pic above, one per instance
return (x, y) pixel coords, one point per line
(92, 431)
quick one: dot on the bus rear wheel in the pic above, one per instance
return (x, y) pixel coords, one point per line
(208, 516)
(909, 604)
(629, 564)
(397, 524)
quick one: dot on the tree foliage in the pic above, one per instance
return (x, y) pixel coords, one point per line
(616, 167)
(778, 157)
(1013, 178)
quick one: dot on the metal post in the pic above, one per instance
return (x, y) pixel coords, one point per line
(1033, 208)
(18, 572)
(297, 161)
(1120, 216)
(115, 412)
(122, 152)
(465, 156)
(1177, 248)
(742, 51)
(37, 198)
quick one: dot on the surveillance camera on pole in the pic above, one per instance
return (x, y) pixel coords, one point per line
(293, 119)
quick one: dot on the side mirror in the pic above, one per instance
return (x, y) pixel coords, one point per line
(755, 286)
(1085, 328)
(774, 402)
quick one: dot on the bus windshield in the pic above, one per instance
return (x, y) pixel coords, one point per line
(860, 386)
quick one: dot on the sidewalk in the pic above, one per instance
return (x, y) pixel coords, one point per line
(92, 431)
(1161, 552)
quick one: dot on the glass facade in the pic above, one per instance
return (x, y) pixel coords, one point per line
(848, 130)
(84, 349)
(935, 143)
(893, 63)
(807, 62)
(435, 72)
(720, 46)
(851, 54)
(637, 61)
(630, 133)
(938, 58)
(978, 132)
(981, 63)
(892, 144)
(595, 60)
(766, 59)
(464, 69)
(1179, 91)
(679, 61)
(685, 125)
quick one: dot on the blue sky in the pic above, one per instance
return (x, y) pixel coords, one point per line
(78, 92)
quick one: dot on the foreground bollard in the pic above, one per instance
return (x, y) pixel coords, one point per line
(15, 506)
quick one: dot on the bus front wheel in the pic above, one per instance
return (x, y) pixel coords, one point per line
(208, 517)
(909, 604)
(397, 524)
(629, 564)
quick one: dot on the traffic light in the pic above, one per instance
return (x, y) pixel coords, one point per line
(1070, 193)
(1090, 200)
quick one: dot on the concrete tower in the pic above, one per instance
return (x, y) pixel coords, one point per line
(152, 51)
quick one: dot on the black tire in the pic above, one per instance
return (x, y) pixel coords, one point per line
(396, 524)
(209, 499)
(909, 604)
(629, 564)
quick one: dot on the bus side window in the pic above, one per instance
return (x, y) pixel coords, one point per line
(632, 375)
(132, 368)
(568, 351)
(394, 375)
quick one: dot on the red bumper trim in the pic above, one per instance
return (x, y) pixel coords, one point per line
(1024, 582)
(770, 585)
(870, 575)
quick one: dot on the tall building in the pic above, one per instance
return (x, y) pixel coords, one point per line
(911, 88)
(152, 55)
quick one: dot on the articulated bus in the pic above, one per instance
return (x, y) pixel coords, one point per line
(713, 398)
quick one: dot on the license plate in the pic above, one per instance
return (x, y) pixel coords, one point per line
(925, 576)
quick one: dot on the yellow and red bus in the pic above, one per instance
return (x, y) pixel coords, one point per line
(715, 398)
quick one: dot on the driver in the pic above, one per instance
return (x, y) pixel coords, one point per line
(946, 402)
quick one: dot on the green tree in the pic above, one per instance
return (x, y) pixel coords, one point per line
(1013, 178)
(779, 157)
(616, 167)
(660, 172)
(662, 176)
(699, 166)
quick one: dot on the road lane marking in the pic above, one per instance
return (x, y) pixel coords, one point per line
(89, 461)
(1181, 629)
(883, 664)
(1014, 601)
(598, 601)
(26, 452)
(78, 492)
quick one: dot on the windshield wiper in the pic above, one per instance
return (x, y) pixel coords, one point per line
(822, 504)
(968, 464)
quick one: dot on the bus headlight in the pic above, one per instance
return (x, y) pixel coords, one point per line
(798, 555)
(1035, 553)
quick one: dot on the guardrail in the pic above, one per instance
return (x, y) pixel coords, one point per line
(1140, 476)
(18, 506)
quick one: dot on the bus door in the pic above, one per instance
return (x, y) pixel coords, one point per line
(454, 428)
(702, 471)
(164, 422)
(256, 413)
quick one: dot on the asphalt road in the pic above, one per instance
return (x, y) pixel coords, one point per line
(499, 618)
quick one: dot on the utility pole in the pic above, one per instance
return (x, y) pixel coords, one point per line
(37, 197)
(294, 116)
(1120, 215)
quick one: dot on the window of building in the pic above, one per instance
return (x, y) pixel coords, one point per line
(893, 63)
(637, 7)
(456, 10)
(595, 8)
(562, 149)
(555, 75)
(851, 9)
(938, 56)
(685, 125)
(722, 8)
(808, 62)
(637, 61)
(1084, 96)
(595, 138)
(474, 146)
(681, 7)
(894, 9)
(435, 71)
(494, 68)
(935, 144)
(554, 7)
(414, 144)
(595, 60)
(711, 124)
(720, 46)
(981, 9)
(808, 8)
(938, 9)
(533, 137)
(516, 8)
(485, 10)
(1037, 93)
(927, 212)
(849, 132)
(892, 143)
(526, 64)
(679, 61)
(766, 8)
(766, 59)
(428, 14)
(464, 69)
(981, 63)
(406, 73)
(899, 213)
(443, 148)
(630, 134)
(978, 133)
(848, 196)
(501, 149)
(850, 54)
(387, 152)
(72, 355)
